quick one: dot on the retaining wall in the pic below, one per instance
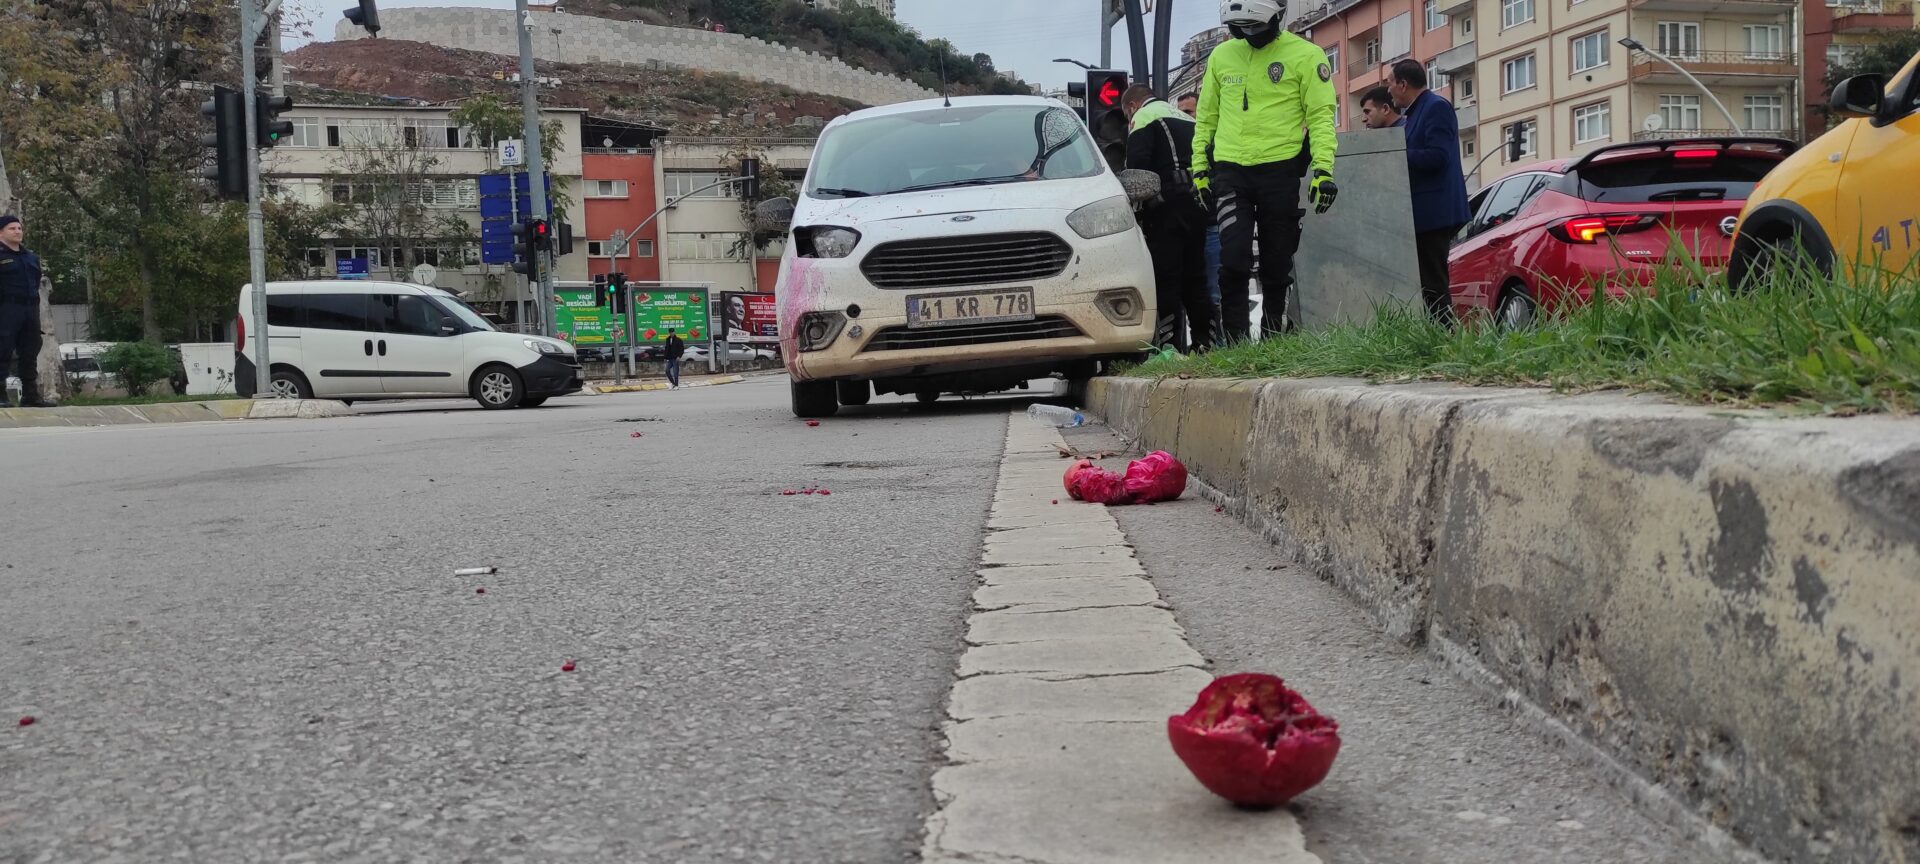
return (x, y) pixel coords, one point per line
(1728, 605)
(584, 39)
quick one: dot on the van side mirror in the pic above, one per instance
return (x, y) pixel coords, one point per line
(773, 216)
(1859, 96)
(449, 327)
(1141, 186)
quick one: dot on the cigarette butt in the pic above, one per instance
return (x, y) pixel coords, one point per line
(476, 571)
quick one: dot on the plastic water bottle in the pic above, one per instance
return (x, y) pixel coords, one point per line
(1056, 416)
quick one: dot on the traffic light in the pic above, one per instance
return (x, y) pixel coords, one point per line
(1516, 141)
(228, 141)
(269, 129)
(1078, 90)
(617, 287)
(600, 290)
(526, 257)
(365, 16)
(1105, 88)
(541, 235)
(563, 239)
(750, 185)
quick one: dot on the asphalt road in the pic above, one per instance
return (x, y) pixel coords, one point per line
(246, 641)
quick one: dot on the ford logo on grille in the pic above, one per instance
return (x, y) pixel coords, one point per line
(963, 218)
(1728, 224)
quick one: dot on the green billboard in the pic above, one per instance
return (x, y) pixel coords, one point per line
(578, 320)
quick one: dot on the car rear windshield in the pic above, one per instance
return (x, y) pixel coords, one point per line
(970, 145)
(1668, 177)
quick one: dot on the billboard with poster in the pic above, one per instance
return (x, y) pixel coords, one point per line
(579, 320)
(749, 318)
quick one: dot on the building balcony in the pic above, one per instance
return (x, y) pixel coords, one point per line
(1459, 57)
(1365, 76)
(1871, 16)
(1455, 8)
(1466, 116)
(1678, 134)
(1733, 7)
(1716, 68)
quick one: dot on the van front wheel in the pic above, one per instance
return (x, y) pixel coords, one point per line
(496, 387)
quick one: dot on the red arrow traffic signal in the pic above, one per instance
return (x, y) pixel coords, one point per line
(1110, 91)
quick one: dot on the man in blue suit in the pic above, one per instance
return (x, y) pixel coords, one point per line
(1433, 171)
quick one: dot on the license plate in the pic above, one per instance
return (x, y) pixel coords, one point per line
(970, 307)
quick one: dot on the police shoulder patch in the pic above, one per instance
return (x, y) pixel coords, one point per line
(1326, 72)
(1275, 72)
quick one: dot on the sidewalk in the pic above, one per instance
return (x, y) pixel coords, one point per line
(125, 415)
(650, 386)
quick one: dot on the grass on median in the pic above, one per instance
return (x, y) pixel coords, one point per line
(1835, 346)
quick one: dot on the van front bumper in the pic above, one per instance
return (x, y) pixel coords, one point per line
(552, 375)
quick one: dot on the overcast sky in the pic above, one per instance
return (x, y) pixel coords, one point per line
(1023, 36)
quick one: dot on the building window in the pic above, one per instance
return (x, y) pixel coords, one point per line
(1764, 42)
(1333, 58)
(708, 246)
(1396, 37)
(1371, 55)
(1590, 51)
(1592, 123)
(1680, 111)
(1436, 79)
(604, 249)
(1843, 55)
(680, 184)
(1467, 146)
(1466, 28)
(306, 132)
(606, 188)
(454, 193)
(1529, 134)
(1680, 39)
(1514, 13)
(1766, 113)
(1435, 20)
(1463, 88)
(1517, 74)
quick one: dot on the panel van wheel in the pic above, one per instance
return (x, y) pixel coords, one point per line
(1517, 310)
(497, 386)
(855, 392)
(814, 398)
(288, 384)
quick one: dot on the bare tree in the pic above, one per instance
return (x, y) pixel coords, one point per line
(390, 189)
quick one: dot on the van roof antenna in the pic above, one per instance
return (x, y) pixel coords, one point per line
(943, 81)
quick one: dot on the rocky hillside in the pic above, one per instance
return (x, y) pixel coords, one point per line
(362, 70)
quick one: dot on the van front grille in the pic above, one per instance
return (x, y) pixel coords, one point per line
(905, 339)
(981, 259)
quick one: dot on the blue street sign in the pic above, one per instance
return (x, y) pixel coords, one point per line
(497, 213)
(351, 268)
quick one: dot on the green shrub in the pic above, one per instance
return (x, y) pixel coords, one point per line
(137, 365)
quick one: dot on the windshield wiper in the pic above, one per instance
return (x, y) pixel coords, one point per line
(976, 181)
(844, 193)
(1706, 194)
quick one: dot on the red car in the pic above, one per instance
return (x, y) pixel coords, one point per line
(1546, 235)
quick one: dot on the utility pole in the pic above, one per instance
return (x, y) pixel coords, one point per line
(536, 161)
(251, 20)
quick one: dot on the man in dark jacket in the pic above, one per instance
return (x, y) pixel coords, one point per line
(19, 314)
(676, 348)
(1161, 141)
(1433, 171)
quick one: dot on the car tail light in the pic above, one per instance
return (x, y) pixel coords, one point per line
(240, 333)
(1589, 229)
(1697, 153)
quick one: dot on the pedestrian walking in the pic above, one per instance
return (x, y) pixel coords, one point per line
(1161, 140)
(19, 314)
(1438, 189)
(676, 348)
(1377, 110)
(1261, 89)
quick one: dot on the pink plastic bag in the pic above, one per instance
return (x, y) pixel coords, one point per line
(1158, 477)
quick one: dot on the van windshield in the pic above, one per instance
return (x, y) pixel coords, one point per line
(974, 145)
(467, 314)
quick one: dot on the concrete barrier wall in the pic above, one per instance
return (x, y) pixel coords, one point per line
(584, 39)
(1727, 605)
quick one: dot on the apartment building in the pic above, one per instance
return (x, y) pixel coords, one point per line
(1364, 38)
(1556, 71)
(1193, 60)
(337, 154)
(706, 236)
(1836, 31)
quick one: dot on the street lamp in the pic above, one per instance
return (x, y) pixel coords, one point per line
(1633, 44)
(1073, 61)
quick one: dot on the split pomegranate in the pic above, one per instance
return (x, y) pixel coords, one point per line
(1155, 478)
(1252, 740)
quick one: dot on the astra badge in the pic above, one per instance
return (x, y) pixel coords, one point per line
(1275, 72)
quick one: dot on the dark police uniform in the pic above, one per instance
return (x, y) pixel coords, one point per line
(20, 320)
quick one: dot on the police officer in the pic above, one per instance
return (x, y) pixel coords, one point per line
(19, 313)
(1261, 88)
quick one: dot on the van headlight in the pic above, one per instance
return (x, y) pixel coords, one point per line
(542, 346)
(1102, 218)
(833, 242)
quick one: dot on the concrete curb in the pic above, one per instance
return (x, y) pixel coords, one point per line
(171, 412)
(662, 385)
(1723, 603)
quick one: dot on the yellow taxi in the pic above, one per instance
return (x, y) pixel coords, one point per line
(1848, 198)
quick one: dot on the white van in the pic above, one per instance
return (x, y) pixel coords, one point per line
(391, 340)
(958, 246)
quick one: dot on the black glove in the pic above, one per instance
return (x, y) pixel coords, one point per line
(1322, 191)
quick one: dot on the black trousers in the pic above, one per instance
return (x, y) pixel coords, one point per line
(1179, 283)
(1431, 247)
(1267, 197)
(20, 338)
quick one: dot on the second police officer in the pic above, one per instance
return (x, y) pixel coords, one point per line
(1262, 88)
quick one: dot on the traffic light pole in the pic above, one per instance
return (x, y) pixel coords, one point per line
(250, 23)
(536, 163)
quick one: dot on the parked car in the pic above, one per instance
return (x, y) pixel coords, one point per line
(962, 245)
(1848, 198)
(1552, 233)
(392, 340)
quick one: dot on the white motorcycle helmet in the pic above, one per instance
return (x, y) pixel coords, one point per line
(1249, 14)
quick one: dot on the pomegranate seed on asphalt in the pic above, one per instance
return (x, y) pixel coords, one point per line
(479, 590)
(813, 422)
(27, 720)
(567, 666)
(634, 435)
